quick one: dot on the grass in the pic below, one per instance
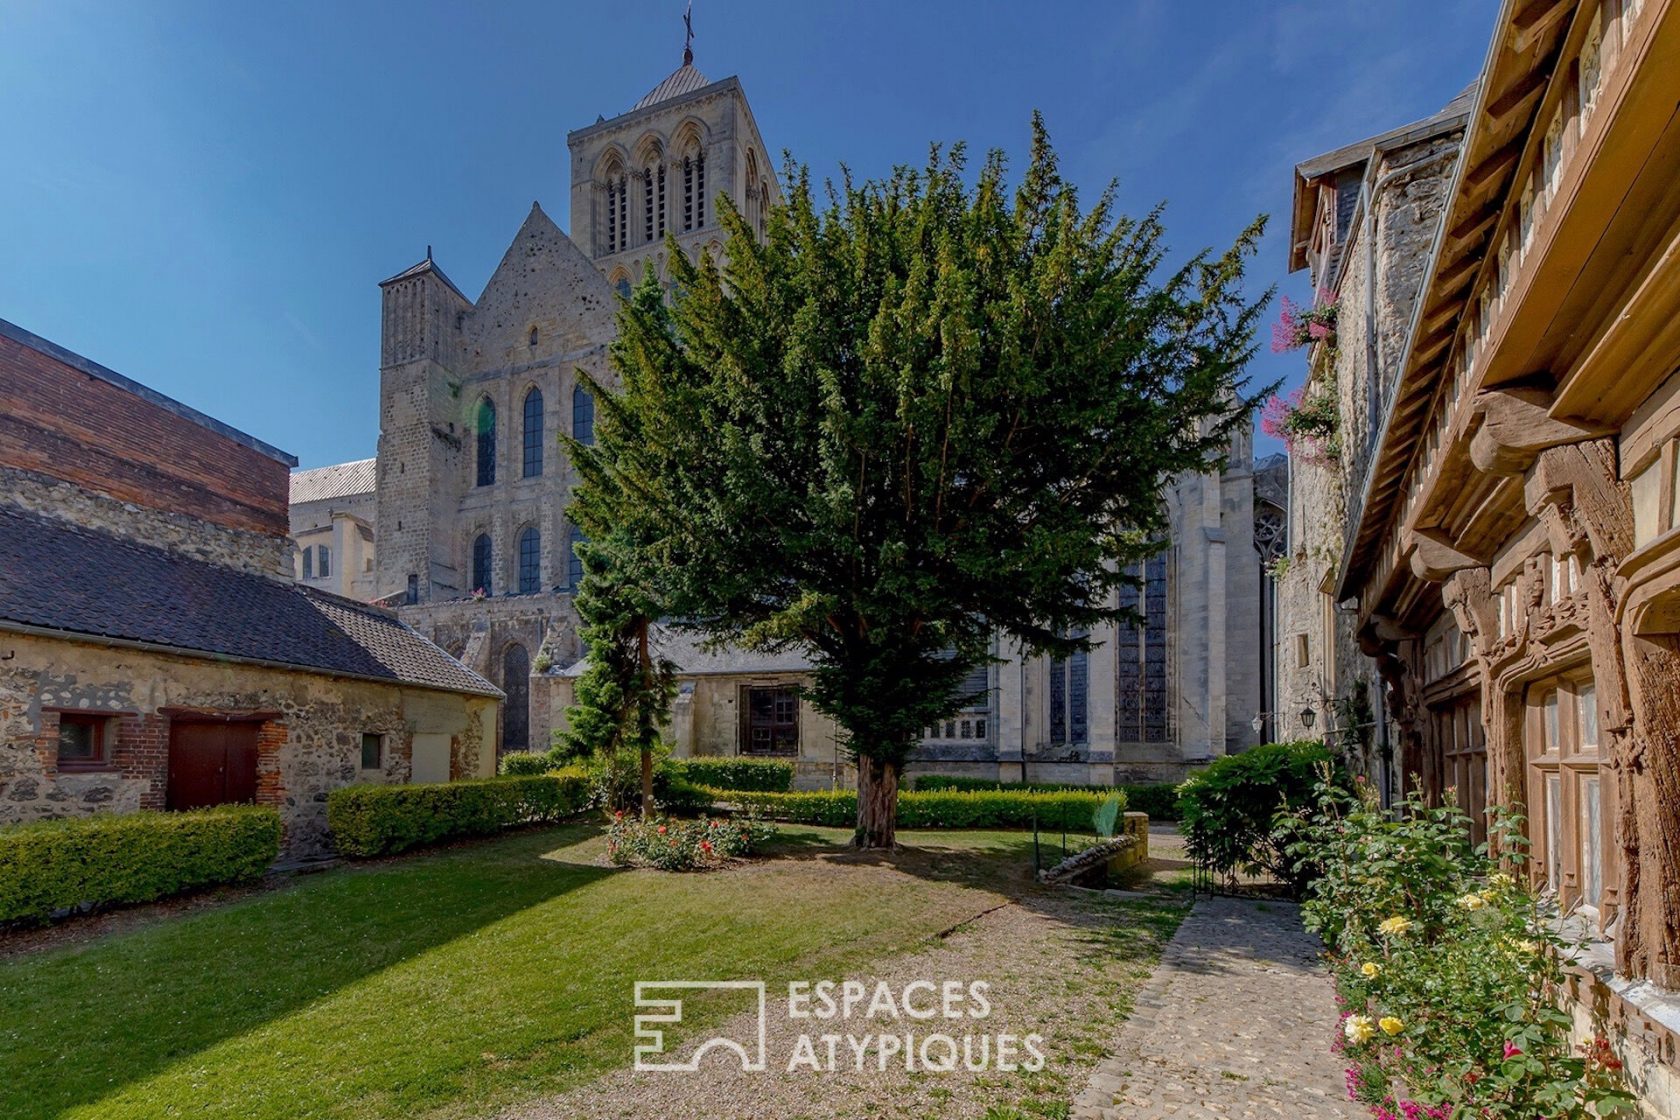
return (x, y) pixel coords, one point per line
(450, 983)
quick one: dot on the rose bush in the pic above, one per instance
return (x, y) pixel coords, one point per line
(1446, 967)
(670, 844)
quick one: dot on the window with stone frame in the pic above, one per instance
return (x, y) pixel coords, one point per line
(533, 433)
(1070, 698)
(373, 751)
(323, 561)
(770, 720)
(972, 722)
(583, 415)
(309, 562)
(530, 561)
(481, 552)
(83, 741)
(1567, 822)
(485, 425)
(1142, 653)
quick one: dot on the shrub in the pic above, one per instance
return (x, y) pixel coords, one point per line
(1158, 799)
(678, 845)
(772, 775)
(1006, 809)
(522, 764)
(1227, 811)
(117, 858)
(1447, 968)
(375, 820)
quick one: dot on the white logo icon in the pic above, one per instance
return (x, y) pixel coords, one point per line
(670, 1010)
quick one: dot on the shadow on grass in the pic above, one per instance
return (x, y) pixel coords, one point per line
(122, 1008)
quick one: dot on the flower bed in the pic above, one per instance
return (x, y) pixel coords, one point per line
(1447, 970)
(670, 844)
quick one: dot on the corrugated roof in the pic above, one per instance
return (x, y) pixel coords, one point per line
(341, 480)
(684, 79)
(687, 651)
(62, 577)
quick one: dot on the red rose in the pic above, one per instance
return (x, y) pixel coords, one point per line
(661, 830)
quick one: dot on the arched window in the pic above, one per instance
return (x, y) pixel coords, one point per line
(583, 416)
(324, 556)
(530, 561)
(516, 712)
(486, 442)
(309, 562)
(694, 186)
(653, 196)
(763, 206)
(618, 209)
(574, 562)
(481, 564)
(533, 446)
(752, 195)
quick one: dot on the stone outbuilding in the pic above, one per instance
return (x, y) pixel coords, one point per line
(155, 651)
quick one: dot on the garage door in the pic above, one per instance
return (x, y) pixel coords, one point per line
(211, 764)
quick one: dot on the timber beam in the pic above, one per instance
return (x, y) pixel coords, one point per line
(1516, 425)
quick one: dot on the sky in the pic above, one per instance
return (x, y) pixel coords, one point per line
(204, 196)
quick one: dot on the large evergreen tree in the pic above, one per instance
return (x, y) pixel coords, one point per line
(918, 413)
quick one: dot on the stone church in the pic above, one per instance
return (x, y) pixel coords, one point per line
(476, 551)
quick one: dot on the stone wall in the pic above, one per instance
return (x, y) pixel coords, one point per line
(179, 533)
(310, 742)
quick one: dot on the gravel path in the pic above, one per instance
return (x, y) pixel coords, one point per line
(1234, 1024)
(1062, 964)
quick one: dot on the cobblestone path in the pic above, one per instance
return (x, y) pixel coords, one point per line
(1235, 1022)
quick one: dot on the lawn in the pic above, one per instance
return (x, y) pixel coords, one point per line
(469, 980)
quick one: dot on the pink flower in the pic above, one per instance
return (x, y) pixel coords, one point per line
(1511, 1050)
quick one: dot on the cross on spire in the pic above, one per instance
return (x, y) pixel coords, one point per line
(688, 34)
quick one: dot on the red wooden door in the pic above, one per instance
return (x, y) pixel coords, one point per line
(211, 764)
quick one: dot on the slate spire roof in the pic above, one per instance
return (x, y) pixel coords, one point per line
(55, 576)
(684, 79)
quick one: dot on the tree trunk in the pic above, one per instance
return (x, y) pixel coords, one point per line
(647, 784)
(877, 819)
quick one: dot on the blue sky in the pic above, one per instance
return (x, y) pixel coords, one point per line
(204, 196)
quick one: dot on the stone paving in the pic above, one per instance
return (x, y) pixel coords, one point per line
(1235, 1023)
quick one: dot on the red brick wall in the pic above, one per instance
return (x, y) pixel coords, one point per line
(58, 421)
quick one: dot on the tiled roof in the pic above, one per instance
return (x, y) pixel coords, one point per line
(340, 480)
(688, 652)
(58, 576)
(684, 79)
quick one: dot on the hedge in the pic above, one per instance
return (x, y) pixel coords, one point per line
(377, 820)
(111, 859)
(1158, 799)
(1007, 809)
(767, 775)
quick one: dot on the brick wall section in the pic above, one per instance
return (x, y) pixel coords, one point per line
(141, 751)
(60, 421)
(270, 738)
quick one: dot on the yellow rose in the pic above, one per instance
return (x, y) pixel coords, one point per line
(1370, 969)
(1500, 880)
(1472, 902)
(1391, 1025)
(1359, 1029)
(1395, 925)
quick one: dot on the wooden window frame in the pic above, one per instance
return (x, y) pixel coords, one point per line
(379, 746)
(1573, 764)
(99, 723)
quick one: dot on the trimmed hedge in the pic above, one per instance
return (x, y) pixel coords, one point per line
(377, 820)
(111, 859)
(1006, 809)
(765, 775)
(1158, 799)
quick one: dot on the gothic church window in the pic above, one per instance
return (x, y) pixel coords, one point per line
(486, 423)
(530, 561)
(1070, 689)
(533, 433)
(1143, 708)
(516, 712)
(618, 209)
(574, 562)
(653, 197)
(694, 187)
(481, 564)
(583, 416)
(308, 563)
(323, 558)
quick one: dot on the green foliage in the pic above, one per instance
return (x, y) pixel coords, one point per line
(1227, 811)
(1447, 965)
(679, 845)
(773, 775)
(1158, 799)
(929, 409)
(517, 764)
(378, 820)
(113, 859)
(934, 809)
(1108, 815)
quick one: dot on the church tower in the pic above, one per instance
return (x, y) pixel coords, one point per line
(658, 170)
